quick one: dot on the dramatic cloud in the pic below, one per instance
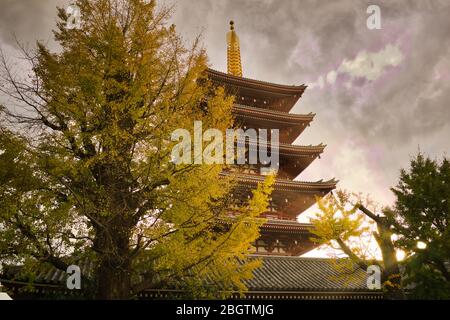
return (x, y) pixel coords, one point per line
(366, 66)
(371, 65)
(331, 77)
(379, 95)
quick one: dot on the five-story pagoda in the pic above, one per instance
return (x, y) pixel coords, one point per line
(264, 105)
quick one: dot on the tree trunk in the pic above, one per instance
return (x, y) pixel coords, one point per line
(113, 274)
(391, 277)
(114, 281)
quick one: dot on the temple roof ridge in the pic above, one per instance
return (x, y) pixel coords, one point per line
(321, 181)
(294, 257)
(300, 88)
(277, 113)
(293, 147)
(331, 183)
(290, 222)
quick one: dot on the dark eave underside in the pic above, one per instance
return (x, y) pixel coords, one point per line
(290, 196)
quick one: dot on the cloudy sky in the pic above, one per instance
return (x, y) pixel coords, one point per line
(379, 95)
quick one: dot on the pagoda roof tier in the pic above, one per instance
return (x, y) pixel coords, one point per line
(273, 115)
(294, 159)
(289, 196)
(288, 185)
(267, 86)
(289, 125)
(258, 93)
(291, 150)
(287, 226)
(282, 226)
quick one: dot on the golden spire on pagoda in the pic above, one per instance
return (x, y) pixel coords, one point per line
(233, 52)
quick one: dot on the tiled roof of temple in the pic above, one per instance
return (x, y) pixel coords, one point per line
(278, 275)
(282, 273)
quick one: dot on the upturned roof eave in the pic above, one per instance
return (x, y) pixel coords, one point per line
(272, 115)
(319, 186)
(294, 90)
(293, 150)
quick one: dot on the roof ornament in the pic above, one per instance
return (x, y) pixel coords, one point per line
(234, 66)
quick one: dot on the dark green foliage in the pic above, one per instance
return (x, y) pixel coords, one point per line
(421, 216)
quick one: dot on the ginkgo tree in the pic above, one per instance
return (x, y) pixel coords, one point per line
(85, 166)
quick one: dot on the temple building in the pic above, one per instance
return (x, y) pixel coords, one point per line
(284, 274)
(264, 105)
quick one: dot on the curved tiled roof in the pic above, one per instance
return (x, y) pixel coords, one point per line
(286, 184)
(273, 115)
(287, 228)
(277, 274)
(292, 149)
(268, 86)
(305, 274)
